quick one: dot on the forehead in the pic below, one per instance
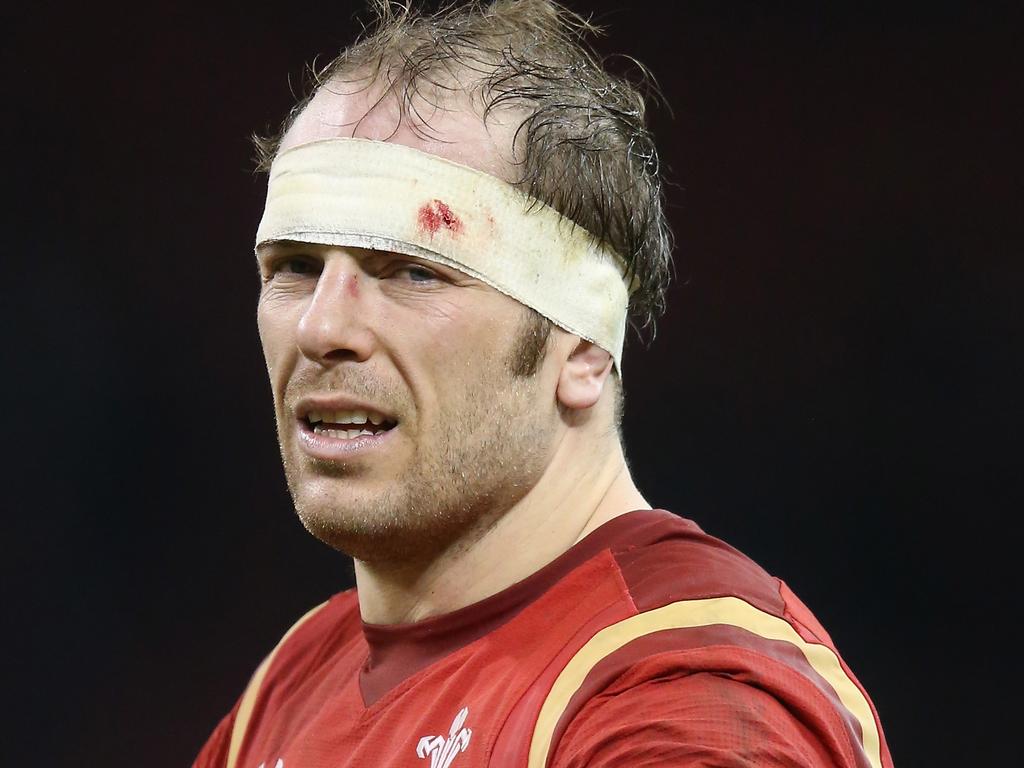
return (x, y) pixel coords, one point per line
(453, 128)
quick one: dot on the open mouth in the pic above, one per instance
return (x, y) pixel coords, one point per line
(348, 425)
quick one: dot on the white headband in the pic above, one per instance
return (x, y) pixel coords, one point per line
(384, 196)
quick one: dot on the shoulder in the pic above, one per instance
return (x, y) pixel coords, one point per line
(290, 660)
(712, 639)
(314, 639)
(668, 558)
(675, 574)
(310, 643)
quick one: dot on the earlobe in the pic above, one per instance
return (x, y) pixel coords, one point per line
(583, 376)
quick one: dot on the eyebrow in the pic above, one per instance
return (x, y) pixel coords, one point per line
(285, 244)
(364, 254)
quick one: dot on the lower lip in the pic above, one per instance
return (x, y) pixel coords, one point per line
(321, 446)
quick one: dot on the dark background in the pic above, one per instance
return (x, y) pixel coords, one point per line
(835, 388)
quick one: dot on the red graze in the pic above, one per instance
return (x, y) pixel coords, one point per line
(437, 214)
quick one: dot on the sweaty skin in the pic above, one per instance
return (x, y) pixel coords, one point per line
(487, 476)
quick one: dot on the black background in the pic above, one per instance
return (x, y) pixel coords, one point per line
(835, 388)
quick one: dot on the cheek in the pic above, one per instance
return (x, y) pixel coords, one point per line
(446, 357)
(468, 353)
(464, 330)
(276, 328)
(428, 334)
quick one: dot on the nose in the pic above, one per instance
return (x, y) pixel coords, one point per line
(333, 327)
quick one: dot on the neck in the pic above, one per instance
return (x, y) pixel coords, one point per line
(573, 497)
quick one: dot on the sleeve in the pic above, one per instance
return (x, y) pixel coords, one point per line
(703, 719)
(217, 750)
(214, 753)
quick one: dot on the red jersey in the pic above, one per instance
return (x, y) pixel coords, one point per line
(648, 643)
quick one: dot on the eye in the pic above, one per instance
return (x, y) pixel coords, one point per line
(288, 266)
(297, 266)
(415, 273)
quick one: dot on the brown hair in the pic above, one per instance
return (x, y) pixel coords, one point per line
(582, 148)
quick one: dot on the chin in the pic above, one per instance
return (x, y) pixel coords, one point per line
(371, 538)
(387, 530)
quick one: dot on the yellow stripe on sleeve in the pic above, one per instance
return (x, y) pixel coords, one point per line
(252, 691)
(730, 611)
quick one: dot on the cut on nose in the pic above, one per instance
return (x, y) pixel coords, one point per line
(333, 327)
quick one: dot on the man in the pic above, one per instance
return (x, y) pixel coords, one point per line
(458, 221)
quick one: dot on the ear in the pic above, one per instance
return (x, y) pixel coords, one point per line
(583, 376)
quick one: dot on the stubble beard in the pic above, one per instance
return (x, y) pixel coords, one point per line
(487, 451)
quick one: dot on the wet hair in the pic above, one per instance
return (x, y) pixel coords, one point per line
(582, 145)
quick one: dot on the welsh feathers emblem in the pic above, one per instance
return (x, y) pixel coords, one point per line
(443, 750)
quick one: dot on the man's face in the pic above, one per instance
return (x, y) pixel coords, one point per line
(402, 426)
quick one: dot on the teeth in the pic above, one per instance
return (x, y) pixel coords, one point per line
(342, 434)
(346, 417)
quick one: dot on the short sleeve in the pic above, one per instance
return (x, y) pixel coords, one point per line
(703, 719)
(214, 753)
